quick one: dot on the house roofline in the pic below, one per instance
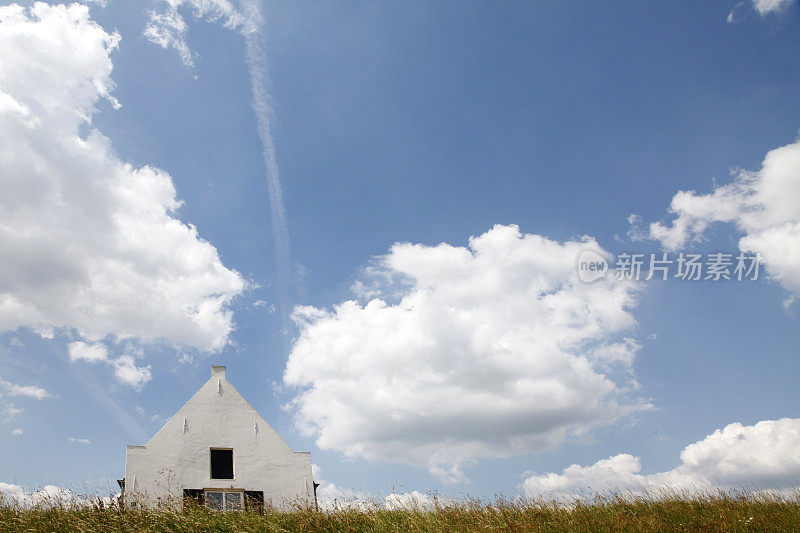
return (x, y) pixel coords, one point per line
(220, 369)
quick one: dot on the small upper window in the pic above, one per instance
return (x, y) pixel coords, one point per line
(221, 464)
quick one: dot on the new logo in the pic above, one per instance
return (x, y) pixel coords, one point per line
(591, 266)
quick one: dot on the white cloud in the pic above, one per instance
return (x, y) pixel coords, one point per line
(78, 441)
(89, 242)
(16, 343)
(261, 102)
(45, 332)
(330, 496)
(490, 350)
(412, 501)
(765, 7)
(763, 456)
(270, 308)
(48, 496)
(126, 371)
(635, 232)
(91, 353)
(761, 205)
(10, 411)
(141, 412)
(17, 432)
(167, 28)
(29, 391)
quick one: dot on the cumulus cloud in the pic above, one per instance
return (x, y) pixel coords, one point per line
(489, 350)
(762, 456)
(48, 496)
(90, 243)
(761, 205)
(167, 27)
(78, 441)
(17, 432)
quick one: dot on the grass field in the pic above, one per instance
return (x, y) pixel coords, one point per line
(715, 512)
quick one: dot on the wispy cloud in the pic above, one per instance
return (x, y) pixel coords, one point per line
(765, 7)
(168, 29)
(29, 391)
(762, 7)
(10, 411)
(270, 308)
(125, 369)
(119, 414)
(256, 58)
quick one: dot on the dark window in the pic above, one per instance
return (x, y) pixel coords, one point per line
(192, 497)
(254, 500)
(221, 464)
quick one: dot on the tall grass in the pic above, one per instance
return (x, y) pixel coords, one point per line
(616, 512)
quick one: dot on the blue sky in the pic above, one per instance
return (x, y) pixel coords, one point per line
(420, 123)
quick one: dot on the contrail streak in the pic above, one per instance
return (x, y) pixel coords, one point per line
(168, 30)
(119, 415)
(255, 56)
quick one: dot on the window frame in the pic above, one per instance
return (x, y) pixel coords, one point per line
(225, 495)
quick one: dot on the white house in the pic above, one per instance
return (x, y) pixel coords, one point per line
(218, 450)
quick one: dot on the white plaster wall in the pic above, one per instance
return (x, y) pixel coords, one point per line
(217, 416)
